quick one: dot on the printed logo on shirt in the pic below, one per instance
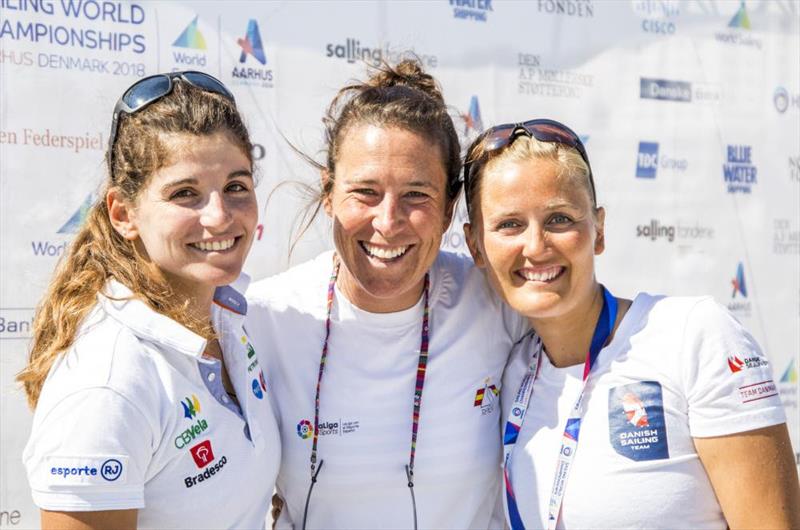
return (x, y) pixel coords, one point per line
(191, 406)
(209, 471)
(63, 470)
(739, 362)
(305, 430)
(202, 453)
(187, 436)
(636, 426)
(485, 396)
(257, 391)
(757, 391)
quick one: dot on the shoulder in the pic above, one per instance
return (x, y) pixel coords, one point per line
(455, 276)
(674, 312)
(292, 285)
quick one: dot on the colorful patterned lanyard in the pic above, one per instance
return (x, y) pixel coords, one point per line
(569, 440)
(420, 383)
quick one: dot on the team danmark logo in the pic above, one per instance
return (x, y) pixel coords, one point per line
(251, 44)
(191, 37)
(304, 429)
(634, 410)
(739, 362)
(191, 406)
(740, 19)
(738, 282)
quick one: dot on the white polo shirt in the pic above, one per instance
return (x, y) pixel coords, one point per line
(367, 397)
(132, 416)
(678, 368)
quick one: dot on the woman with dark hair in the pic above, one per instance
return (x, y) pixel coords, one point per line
(671, 420)
(148, 396)
(386, 353)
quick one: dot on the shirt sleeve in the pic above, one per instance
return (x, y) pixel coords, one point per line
(727, 378)
(90, 452)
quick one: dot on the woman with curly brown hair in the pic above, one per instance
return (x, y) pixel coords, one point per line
(386, 353)
(148, 397)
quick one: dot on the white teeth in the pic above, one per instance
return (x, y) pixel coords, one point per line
(383, 252)
(212, 246)
(544, 276)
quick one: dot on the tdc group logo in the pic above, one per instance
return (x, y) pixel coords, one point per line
(739, 172)
(648, 161)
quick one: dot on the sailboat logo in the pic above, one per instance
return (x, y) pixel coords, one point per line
(251, 44)
(191, 37)
(77, 219)
(740, 19)
(484, 396)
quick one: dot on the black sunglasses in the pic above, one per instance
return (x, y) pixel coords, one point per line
(544, 130)
(150, 89)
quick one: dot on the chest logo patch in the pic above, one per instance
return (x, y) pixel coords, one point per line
(636, 426)
(485, 396)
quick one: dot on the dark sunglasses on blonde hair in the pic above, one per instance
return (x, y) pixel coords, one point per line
(499, 137)
(153, 88)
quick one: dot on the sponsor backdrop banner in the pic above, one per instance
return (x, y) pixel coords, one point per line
(690, 111)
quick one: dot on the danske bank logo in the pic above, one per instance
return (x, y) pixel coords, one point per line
(666, 90)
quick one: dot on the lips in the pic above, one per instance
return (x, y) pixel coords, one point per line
(384, 253)
(540, 274)
(214, 246)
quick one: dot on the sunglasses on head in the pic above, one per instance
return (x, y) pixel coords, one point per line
(501, 136)
(151, 89)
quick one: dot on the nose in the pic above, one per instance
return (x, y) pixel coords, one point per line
(389, 217)
(535, 241)
(215, 214)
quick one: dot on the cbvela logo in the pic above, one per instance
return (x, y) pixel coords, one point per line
(739, 306)
(783, 100)
(658, 16)
(665, 90)
(536, 79)
(476, 10)
(188, 435)
(680, 232)
(567, 8)
(739, 26)
(786, 237)
(203, 455)
(190, 39)
(738, 362)
(87, 470)
(191, 406)
(739, 172)
(648, 161)
(252, 49)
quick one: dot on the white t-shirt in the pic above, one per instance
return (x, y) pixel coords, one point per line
(678, 368)
(132, 416)
(367, 399)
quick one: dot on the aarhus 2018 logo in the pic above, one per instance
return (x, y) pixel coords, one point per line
(739, 172)
(473, 123)
(251, 46)
(190, 39)
(305, 430)
(636, 426)
(739, 26)
(739, 306)
(665, 90)
(648, 161)
(477, 10)
(657, 15)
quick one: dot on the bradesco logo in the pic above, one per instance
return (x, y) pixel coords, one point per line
(203, 455)
(648, 161)
(665, 90)
(476, 10)
(739, 172)
(657, 15)
(251, 47)
(190, 39)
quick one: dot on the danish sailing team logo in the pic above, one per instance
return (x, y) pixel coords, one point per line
(634, 410)
(305, 429)
(637, 428)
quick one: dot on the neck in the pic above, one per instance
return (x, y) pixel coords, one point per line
(567, 337)
(362, 299)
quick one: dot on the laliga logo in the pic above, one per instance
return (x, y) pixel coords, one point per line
(305, 429)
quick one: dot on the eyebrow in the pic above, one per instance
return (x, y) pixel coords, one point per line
(194, 181)
(412, 184)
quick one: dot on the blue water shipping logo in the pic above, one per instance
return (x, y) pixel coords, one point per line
(739, 172)
(666, 90)
(476, 10)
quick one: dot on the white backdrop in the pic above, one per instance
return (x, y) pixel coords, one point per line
(690, 110)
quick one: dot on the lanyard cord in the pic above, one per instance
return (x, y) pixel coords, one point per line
(419, 385)
(569, 440)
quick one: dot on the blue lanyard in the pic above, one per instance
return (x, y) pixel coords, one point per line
(569, 440)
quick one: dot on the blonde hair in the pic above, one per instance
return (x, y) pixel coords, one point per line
(568, 160)
(98, 253)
